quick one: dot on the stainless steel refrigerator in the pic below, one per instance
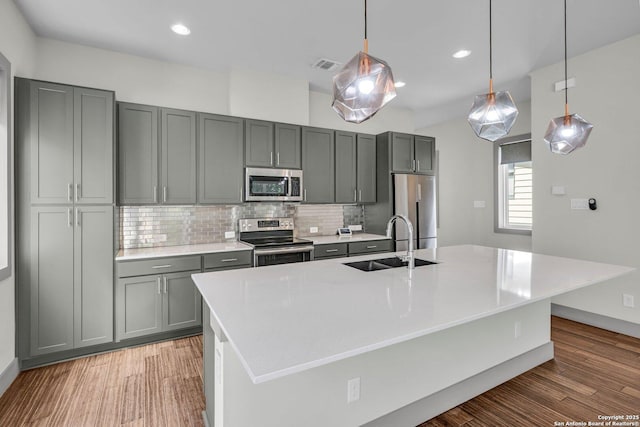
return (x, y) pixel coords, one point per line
(415, 197)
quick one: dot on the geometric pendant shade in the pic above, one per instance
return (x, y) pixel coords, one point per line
(363, 86)
(492, 115)
(567, 133)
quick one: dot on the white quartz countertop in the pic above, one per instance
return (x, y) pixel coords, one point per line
(285, 319)
(167, 251)
(355, 237)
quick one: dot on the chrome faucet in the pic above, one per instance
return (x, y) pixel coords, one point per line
(409, 257)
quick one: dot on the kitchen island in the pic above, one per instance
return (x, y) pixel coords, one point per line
(321, 343)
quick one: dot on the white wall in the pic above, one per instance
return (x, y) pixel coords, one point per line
(466, 175)
(17, 44)
(607, 168)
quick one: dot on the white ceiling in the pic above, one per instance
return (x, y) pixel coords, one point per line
(416, 37)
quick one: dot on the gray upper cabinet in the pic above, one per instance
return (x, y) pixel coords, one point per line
(93, 146)
(157, 161)
(366, 168)
(71, 144)
(346, 176)
(178, 157)
(412, 153)
(288, 146)
(318, 164)
(270, 144)
(220, 154)
(138, 154)
(51, 280)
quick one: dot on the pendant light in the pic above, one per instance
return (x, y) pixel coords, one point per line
(363, 86)
(492, 114)
(569, 132)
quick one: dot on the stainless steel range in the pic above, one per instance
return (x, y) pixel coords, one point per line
(273, 242)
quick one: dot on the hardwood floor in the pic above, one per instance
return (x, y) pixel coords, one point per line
(595, 372)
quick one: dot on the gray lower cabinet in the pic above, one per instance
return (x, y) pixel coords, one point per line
(355, 168)
(370, 246)
(220, 157)
(71, 142)
(318, 164)
(227, 260)
(71, 277)
(330, 250)
(157, 155)
(182, 304)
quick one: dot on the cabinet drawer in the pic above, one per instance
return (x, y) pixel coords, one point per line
(227, 259)
(158, 266)
(333, 250)
(357, 248)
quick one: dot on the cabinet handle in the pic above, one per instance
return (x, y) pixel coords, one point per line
(360, 195)
(155, 194)
(165, 284)
(419, 195)
(69, 191)
(159, 290)
(413, 164)
(418, 168)
(355, 197)
(372, 246)
(331, 250)
(162, 266)
(278, 158)
(271, 158)
(305, 195)
(229, 260)
(164, 193)
(77, 218)
(77, 192)
(69, 218)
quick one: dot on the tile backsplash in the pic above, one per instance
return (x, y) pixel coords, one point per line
(153, 226)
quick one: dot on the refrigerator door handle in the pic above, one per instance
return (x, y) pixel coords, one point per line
(419, 195)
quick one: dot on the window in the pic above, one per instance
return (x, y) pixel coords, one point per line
(5, 168)
(513, 185)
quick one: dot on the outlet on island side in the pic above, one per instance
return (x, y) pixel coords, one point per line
(628, 300)
(517, 329)
(353, 390)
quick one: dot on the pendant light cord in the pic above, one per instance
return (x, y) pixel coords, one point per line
(490, 43)
(566, 85)
(366, 42)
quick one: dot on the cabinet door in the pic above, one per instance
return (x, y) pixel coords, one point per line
(51, 125)
(51, 279)
(366, 167)
(259, 143)
(402, 154)
(182, 307)
(138, 154)
(425, 153)
(138, 306)
(318, 164)
(93, 275)
(346, 191)
(220, 175)
(178, 157)
(93, 146)
(288, 146)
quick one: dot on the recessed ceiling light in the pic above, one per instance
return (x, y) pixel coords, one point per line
(462, 53)
(180, 29)
(400, 83)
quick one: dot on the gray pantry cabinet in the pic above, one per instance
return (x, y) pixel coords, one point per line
(318, 164)
(64, 217)
(355, 165)
(157, 155)
(157, 295)
(220, 157)
(410, 153)
(270, 144)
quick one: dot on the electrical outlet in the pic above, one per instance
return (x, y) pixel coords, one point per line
(313, 229)
(627, 300)
(517, 329)
(229, 234)
(355, 227)
(479, 204)
(353, 390)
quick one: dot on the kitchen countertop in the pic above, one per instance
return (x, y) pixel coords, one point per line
(356, 237)
(285, 319)
(167, 251)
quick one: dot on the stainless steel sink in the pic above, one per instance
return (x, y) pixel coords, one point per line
(385, 263)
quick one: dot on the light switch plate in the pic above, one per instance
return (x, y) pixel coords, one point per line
(479, 204)
(353, 390)
(229, 234)
(627, 300)
(313, 229)
(579, 204)
(558, 190)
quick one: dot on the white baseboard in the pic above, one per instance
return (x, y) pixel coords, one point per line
(9, 374)
(597, 320)
(431, 406)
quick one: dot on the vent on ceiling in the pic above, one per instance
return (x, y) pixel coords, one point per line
(325, 64)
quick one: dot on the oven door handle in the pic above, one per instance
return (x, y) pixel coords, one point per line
(284, 250)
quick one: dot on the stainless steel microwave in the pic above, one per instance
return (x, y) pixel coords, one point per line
(262, 184)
